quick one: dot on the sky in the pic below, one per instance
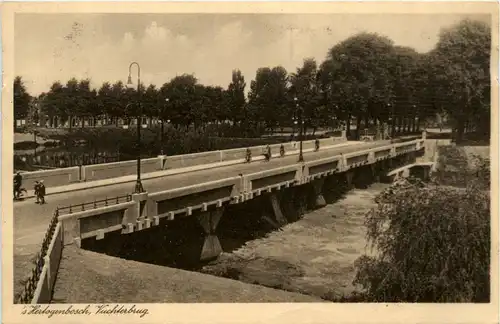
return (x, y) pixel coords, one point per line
(57, 47)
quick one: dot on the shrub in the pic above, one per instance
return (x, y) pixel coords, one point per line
(25, 145)
(432, 244)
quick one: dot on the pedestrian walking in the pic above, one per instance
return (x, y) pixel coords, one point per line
(37, 191)
(18, 181)
(41, 192)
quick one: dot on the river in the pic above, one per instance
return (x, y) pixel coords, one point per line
(314, 255)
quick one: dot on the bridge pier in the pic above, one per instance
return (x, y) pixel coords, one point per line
(290, 204)
(277, 212)
(211, 246)
(363, 177)
(349, 177)
(318, 200)
(375, 172)
(334, 187)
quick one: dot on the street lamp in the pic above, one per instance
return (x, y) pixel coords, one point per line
(391, 119)
(416, 126)
(299, 114)
(162, 123)
(138, 185)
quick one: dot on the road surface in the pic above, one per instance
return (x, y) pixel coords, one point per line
(31, 220)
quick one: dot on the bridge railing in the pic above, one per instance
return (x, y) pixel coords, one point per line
(33, 281)
(93, 204)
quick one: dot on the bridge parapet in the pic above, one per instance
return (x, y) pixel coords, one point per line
(64, 176)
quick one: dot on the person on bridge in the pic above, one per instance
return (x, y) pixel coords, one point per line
(41, 193)
(37, 190)
(267, 153)
(18, 181)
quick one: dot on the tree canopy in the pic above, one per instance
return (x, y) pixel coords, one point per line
(365, 77)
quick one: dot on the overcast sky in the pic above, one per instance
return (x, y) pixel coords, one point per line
(50, 47)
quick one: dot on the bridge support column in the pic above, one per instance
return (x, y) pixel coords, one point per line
(375, 170)
(334, 188)
(278, 214)
(317, 187)
(289, 201)
(211, 246)
(133, 213)
(349, 177)
(364, 177)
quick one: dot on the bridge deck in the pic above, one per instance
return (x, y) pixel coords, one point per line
(30, 219)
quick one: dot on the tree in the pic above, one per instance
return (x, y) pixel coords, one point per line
(87, 106)
(432, 243)
(105, 101)
(461, 78)
(268, 102)
(305, 87)
(152, 103)
(236, 97)
(361, 83)
(54, 104)
(22, 99)
(181, 94)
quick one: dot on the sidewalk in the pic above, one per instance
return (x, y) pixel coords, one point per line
(164, 173)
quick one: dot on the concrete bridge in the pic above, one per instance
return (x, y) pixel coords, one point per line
(280, 190)
(287, 189)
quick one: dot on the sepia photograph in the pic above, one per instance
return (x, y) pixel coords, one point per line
(250, 156)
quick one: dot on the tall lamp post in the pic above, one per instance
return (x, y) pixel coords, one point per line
(299, 115)
(162, 126)
(391, 120)
(138, 185)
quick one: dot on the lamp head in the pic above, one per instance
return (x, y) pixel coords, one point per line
(129, 80)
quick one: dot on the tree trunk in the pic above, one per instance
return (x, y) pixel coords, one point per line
(460, 129)
(358, 126)
(348, 126)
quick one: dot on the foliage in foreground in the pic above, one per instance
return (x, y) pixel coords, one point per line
(432, 244)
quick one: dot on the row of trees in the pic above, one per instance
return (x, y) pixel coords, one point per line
(365, 78)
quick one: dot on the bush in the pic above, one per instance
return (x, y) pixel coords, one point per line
(25, 145)
(432, 244)
(454, 168)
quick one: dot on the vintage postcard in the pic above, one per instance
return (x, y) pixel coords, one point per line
(250, 162)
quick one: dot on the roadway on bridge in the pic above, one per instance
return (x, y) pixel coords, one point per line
(31, 220)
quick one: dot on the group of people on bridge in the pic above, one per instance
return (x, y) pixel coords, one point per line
(39, 189)
(268, 154)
